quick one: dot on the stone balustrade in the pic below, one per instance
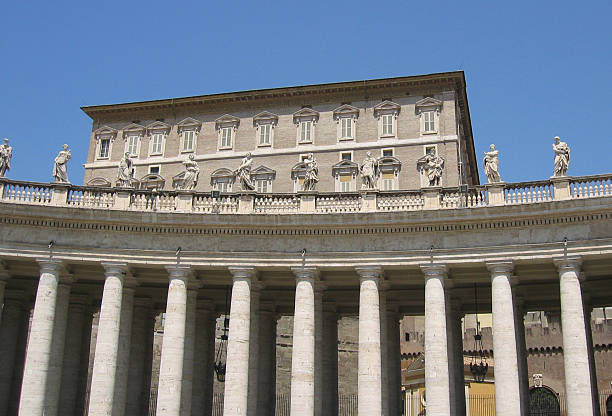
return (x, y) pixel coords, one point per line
(556, 188)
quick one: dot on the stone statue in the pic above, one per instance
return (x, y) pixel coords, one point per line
(243, 173)
(60, 164)
(369, 172)
(491, 165)
(124, 172)
(312, 173)
(6, 153)
(562, 157)
(431, 165)
(192, 172)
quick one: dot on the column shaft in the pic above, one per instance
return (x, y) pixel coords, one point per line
(319, 347)
(237, 373)
(578, 387)
(170, 393)
(40, 346)
(103, 390)
(188, 360)
(267, 361)
(10, 327)
(522, 355)
(437, 381)
(369, 377)
(303, 353)
(394, 363)
(254, 352)
(137, 400)
(203, 374)
(507, 386)
(330, 361)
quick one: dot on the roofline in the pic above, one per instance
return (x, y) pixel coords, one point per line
(270, 93)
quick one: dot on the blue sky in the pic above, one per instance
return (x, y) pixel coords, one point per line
(534, 69)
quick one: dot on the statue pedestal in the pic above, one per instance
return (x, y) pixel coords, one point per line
(184, 201)
(308, 201)
(431, 197)
(123, 198)
(495, 191)
(245, 202)
(368, 198)
(60, 193)
(561, 187)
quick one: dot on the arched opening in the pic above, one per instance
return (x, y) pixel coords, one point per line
(543, 402)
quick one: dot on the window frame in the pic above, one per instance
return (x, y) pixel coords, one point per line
(152, 144)
(222, 131)
(304, 115)
(221, 124)
(384, 149)
(184, 134)
(104, 139)
(150, 167)
(104, 133)
(428, 105)
(127, 144)
(381, 112)
(346, 152)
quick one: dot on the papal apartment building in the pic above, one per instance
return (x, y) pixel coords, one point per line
(307, 208)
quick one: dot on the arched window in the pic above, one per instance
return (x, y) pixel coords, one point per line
(543, 402)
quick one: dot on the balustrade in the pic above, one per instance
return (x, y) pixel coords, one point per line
(27, 193)
(277, 204)
(591, 186)
(226, 204)
(90, 198)
(529, 192)
(338, 203)
(400, 201)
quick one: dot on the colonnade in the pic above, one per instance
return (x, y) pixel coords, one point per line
(54, 376)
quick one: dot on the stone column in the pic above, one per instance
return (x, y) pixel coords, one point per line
(455, 351)
(330, 360)
(104, 392)
(137, 401)
(437, 381)
(13, 408)
(254, 350)
(384, 348)
(203, 370)
(86, 340)
(237, 373)
(507, 386)
(394, 361)
(521, 347)
(189, 358)
(267, 360)
(41, 349)
(369, 377)
(10, 328)
(72, 360)
(319, 347)
(170, 391)
(575, 345)
(303, 353)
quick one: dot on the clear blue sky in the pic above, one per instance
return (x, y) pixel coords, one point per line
(534, 69)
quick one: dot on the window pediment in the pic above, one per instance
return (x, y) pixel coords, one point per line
(346, 110)
(428, 103)
(263, 172)
(133, 130)
(389, 164)
(151, 181)
(105, 132)
(298, 171)
(386, 107)
(306, 114)
(158, 127)
(345, 167)
(227, 120)
(265, 117)
(222, 175)
(100, 182)
(189, 124)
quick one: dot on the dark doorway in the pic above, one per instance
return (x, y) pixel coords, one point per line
(543, 402)
(609, 406)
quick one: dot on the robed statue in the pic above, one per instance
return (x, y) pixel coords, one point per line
(431, 166)
(369, 170)
(311, 175)
(124, 172)
(192, 172)
(6, 153)
(491, 165)
(60, 164)
(562, 157)
(243, 173)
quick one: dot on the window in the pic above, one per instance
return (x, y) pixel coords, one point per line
(104, 148)
(345, 183)
(132, 145)
(157, 141)
(265, 133)
(263, 186)
(306, 132)
(226, 138)
(346, 156)
(189, 140)
(387, 125)
(347, 128)
(154, 169)
(222, 187)
(429, 121)
(388, 181)
(387, 152)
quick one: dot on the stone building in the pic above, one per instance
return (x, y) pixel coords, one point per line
(413, 242)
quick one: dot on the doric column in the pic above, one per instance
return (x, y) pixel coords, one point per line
(267, 360)
(319, 347)
(189, 358)
(394, 370)
(202, 396)
(254, 349)
(303, 353)
(330, 360)
(137, 401)
(171, 389)
(437, 381)
(10, 328)
(369, 373)
(104, 394)
(507, 386)
(86, 340)
(455, 355)
(72, 360)
(237, 373)
(384, 348)
(578, 388)
(521, 348)
(43, 342)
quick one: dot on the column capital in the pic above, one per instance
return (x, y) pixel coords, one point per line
(50, 265)
(434, 270)
(179, 271)
(305, 272)
(369, 272)
(498, 267)
(243, 272)
(112, 268)
(568, 263)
